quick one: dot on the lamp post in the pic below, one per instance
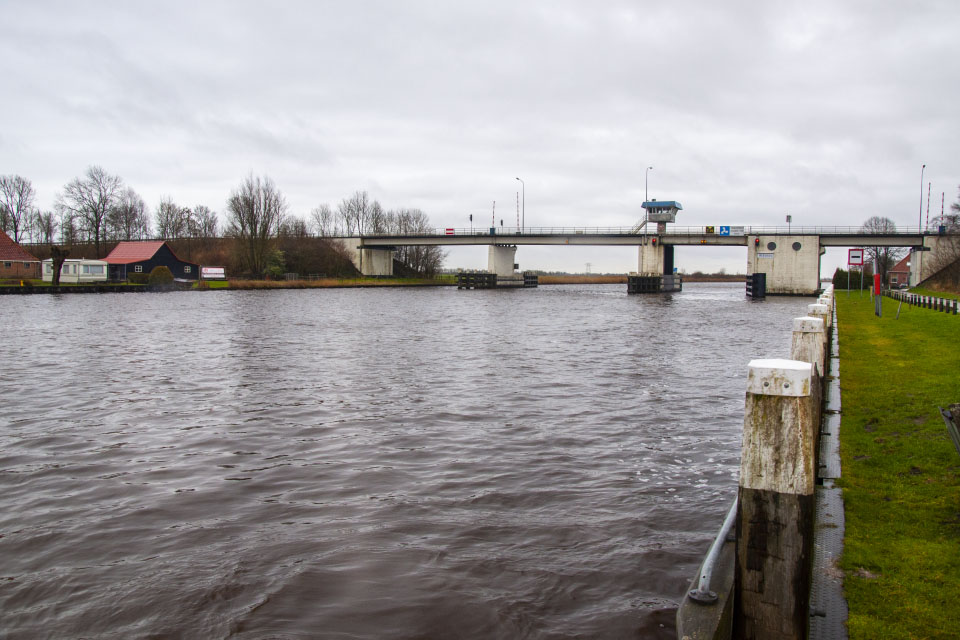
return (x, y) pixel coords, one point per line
(523, 205)
(646, 183)
(920, 227)
(920, 219)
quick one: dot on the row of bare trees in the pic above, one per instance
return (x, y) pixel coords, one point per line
(98, 208)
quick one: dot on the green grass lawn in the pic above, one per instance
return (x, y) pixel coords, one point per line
(901, 473)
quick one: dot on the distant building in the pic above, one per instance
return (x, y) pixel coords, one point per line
(900, 273)
(15, 261)
(77, 270)
(141, 257)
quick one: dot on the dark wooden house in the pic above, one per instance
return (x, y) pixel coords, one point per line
(141, 257)
(15, 261)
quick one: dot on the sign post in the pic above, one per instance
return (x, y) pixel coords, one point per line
(855, 259)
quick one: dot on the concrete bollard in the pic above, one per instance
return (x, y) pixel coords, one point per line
(821, 311)
(809, 342)
(776, 506)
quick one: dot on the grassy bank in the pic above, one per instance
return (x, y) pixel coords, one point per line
(901, 473)
(582, 279)
(936, 294)
(329, 283)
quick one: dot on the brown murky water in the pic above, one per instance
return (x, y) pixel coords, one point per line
(427, 463)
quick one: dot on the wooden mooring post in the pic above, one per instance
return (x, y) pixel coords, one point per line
(776, 504)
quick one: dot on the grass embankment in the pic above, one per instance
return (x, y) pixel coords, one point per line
(582, 279)
(901, 473)
(330, 283)
(936, 294)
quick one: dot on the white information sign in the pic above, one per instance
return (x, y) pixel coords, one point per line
(855, 257)
(213, 273)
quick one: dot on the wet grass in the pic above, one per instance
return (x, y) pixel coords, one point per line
(901, 473)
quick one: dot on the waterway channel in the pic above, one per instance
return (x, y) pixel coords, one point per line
(355, 463)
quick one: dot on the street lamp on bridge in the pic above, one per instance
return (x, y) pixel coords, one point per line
(646, 183)
(523, 205)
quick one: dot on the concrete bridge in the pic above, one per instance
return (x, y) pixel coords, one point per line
(789, 256)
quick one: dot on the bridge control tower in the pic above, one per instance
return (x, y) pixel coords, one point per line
(655, 268)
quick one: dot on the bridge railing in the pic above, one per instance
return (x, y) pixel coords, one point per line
(716, 230)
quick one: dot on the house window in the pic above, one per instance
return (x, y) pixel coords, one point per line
(48, 268)
(7, 264)
(26, 264)
(186, 269)
(138, 268)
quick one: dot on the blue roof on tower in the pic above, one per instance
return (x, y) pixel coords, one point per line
(662, 204)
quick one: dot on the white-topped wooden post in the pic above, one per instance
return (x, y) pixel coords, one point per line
(809, 342)
(821, 311)
(776, 505)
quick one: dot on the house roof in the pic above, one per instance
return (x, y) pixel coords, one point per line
(127, 252)
(902, 265)
(10, 250)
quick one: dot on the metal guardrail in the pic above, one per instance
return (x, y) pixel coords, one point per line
(702, 593)
(634, 230)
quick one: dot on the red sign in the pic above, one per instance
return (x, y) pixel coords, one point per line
(855, 257)
(449, 232)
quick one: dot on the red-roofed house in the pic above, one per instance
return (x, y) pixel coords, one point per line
(15, 261)
(900, 273)
(142, 257)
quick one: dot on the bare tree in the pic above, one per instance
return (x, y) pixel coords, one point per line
(16, 201)
(57, 257)
(324, 221)
(69, 229)
(256, 210)
(89, 199)
(424, 260)
(173, 221)
(377, 220)
(204, 222)
(354, 213)
(128, 219)
(884, 257)
(46, 226)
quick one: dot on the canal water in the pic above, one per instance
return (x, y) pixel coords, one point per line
(355, 463)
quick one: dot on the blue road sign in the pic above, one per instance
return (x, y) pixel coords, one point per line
(724, 231)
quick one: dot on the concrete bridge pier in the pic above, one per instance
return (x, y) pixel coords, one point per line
(655, 258)
(500, 259)
(791, 263)
(369, 261)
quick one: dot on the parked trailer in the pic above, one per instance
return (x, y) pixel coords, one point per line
(77, 271)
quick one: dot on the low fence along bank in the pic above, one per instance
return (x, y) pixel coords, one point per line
(772, 579)
(946, 305)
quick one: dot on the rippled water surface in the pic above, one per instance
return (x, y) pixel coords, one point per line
(397, 463)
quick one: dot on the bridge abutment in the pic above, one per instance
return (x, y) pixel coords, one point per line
(791, 263)
(368, 261)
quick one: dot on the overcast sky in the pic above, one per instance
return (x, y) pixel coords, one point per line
(747, 111)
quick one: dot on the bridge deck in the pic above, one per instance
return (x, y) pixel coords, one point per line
(828, 237)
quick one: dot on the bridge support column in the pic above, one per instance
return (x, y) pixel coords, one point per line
(369, 261)
(651, 258)
(792, 263)
(500, 259)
